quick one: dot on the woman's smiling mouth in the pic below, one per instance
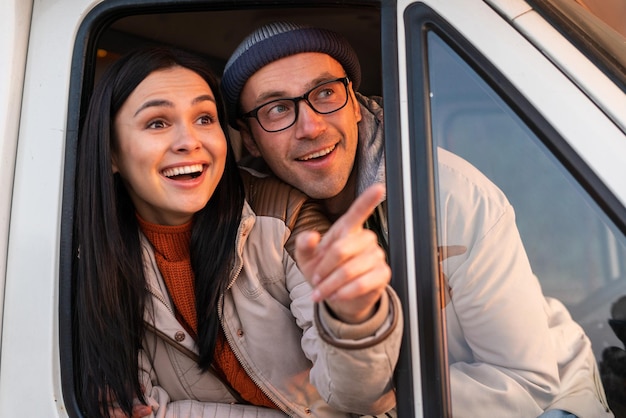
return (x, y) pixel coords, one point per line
(183, 172)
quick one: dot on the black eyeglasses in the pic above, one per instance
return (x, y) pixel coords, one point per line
(281, 114)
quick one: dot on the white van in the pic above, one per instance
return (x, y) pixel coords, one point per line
(532, 92)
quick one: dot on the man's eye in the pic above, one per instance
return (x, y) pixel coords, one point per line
(325, 93)
(278, 109)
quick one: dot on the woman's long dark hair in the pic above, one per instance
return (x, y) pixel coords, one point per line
(109, 283)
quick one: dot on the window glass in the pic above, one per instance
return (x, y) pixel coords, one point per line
(578, 255)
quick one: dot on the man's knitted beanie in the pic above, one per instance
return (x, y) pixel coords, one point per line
(278, 40)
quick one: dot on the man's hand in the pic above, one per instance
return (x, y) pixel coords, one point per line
(347, 268)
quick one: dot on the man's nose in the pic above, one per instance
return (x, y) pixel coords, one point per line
(309, 124)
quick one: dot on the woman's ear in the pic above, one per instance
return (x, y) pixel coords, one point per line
(114, 163)
(248, 140)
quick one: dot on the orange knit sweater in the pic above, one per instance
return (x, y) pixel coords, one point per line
(171, 249)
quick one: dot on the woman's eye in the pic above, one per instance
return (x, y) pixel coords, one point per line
(205, 120)
(156, 124)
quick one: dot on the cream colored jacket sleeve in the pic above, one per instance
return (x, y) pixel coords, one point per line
(512, 352)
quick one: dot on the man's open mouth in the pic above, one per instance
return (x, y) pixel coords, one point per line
(318, 154)
(183, 173)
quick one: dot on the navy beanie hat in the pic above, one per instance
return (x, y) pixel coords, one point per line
(278, 40)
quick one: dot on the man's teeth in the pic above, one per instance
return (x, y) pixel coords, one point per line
(318, 154)
(188, 169)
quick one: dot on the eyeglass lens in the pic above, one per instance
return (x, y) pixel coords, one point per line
(282, 113)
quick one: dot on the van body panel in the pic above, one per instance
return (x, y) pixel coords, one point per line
(15, 21)
(29, 373)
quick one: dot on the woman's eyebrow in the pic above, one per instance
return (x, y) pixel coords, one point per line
(167, 103)
(154, 103)
(203, 98)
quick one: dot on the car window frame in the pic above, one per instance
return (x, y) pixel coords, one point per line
(82, 79)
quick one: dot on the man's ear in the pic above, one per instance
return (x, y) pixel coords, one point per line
(355, 102)
(248, 140)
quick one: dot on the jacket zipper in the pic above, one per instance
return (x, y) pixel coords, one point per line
(193, 356)
(235, 349)
(252, 376)
(160, 299)
(229, 340)
(185, 351)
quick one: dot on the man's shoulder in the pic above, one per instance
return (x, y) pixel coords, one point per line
(270, 196)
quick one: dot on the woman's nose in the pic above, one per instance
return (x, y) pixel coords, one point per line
(187, 139)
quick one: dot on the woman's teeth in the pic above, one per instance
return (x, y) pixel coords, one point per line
(194, 169)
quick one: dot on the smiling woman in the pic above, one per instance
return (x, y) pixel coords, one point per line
(122, 155)
(169, 147)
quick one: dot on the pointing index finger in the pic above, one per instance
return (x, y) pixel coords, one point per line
(357, 214)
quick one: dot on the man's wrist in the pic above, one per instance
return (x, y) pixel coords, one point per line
(354, 319)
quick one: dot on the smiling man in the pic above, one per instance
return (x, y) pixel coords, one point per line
(321, 158)
(291, 91)
(302, 112)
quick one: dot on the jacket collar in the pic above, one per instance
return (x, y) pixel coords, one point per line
(154, 280)
(370, 157)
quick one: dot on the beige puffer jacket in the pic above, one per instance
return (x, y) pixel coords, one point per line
(296, 352)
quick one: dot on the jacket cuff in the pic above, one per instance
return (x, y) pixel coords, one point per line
(356, 336)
